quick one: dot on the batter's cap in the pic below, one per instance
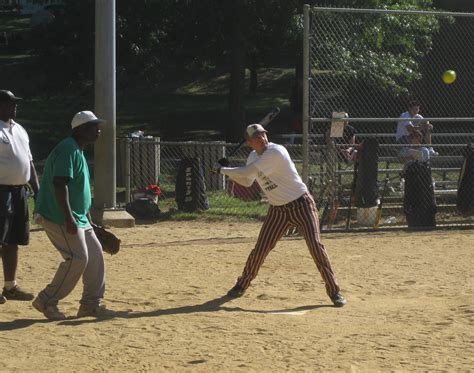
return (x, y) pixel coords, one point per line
(253, 130)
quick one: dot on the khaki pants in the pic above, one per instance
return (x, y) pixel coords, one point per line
(83, 256)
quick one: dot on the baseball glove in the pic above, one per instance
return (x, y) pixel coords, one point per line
(109, 241)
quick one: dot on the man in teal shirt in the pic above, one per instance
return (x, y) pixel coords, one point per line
(62, 207)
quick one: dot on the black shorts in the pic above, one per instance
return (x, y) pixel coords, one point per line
(14, 217)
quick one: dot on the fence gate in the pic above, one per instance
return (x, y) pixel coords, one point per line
(362, 68)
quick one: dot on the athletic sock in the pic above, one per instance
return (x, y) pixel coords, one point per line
(10, 284)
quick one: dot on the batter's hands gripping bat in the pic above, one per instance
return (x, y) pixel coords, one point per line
(264, 122)
(379, 209)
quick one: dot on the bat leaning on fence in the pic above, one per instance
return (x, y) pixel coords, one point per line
(334, 204)
(352, 196)
(379, 209)
(324, 201)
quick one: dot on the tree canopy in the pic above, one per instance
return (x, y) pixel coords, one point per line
(163, 38)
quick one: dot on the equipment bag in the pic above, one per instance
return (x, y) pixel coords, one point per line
(366, 190)
(190, 186)
(465, 197)
(143, 208)
(419, 203)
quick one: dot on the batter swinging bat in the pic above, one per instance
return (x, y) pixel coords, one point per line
(264, 121)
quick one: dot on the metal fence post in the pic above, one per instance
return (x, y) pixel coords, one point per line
(127, 175)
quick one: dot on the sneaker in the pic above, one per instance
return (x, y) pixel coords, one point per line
(432, 152)
(338, 300)
(16, 293)
(2, 299)
(236, 292)
(93, 310)
(51, 312)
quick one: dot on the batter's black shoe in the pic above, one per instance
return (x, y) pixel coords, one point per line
(2, 299)
(236, 292)
(338, 300)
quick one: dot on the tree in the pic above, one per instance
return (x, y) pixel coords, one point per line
(156, 38)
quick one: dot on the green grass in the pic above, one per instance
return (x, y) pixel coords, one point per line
(191, 112)
(14, 24)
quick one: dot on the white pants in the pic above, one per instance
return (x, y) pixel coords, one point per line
(83, 256)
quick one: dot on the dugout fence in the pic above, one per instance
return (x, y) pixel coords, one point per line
(149, 161)
(368, 64)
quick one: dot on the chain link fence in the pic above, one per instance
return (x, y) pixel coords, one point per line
(362, 68)
(147, 161)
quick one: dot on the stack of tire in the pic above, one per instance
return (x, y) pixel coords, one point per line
(465, 197)
(419, 203)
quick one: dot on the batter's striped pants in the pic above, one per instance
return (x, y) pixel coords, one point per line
(302, 214)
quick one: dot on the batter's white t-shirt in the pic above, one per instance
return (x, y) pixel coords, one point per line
(274, 171)
(404, 122)
(15, 154)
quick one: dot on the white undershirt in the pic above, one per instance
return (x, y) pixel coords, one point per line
(15, 154)
(274, 171)
(402, 124)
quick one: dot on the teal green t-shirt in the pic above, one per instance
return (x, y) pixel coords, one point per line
(66, 159)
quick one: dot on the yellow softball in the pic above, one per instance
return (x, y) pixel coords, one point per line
(449, 76)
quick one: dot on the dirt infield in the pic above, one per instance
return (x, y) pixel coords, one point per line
(410, 305)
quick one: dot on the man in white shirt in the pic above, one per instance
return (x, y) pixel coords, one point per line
(405, 127)
(16, 171)
(291, 205)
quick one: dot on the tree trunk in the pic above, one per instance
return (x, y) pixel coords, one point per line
(235, 128)
(253, 73)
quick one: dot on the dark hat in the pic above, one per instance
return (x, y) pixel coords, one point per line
(6, 96)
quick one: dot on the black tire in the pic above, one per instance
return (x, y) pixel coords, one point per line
(465, 196)
(419, 202)
(366, 190)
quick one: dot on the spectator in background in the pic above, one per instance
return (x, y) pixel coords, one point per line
(345, 140)
(420, 153)
(16, 171)
(406, 126)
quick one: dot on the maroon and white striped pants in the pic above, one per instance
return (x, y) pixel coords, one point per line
(303, 214)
